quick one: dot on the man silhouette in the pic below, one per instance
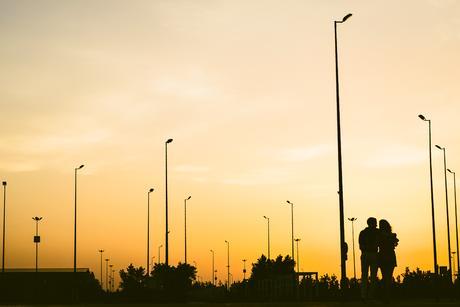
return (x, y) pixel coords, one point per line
(368, 244)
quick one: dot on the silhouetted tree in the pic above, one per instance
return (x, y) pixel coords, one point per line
(172, 282)
(132, 280)
(268, 268)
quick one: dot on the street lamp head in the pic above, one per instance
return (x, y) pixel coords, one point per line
(36, 218)
(101, 250)
(161, 245)
(189, 197)
(346, 17)
(422, 117)
(297, 240)
(4, 183)
(439, 147)
(352, 219)
(169, 141)
(450, 171)
(151, 190)
(226, 241)
(265, 217)
(107, 259)
(289, 202)
(81, 166)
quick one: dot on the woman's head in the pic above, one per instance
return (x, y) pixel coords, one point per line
(384, 225)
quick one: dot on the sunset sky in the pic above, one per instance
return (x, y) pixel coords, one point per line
(247, 91)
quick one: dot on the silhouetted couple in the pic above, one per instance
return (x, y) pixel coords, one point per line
(377, 251)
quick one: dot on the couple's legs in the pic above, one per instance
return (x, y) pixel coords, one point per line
(387, 278)
(368, 263)
(364, 276)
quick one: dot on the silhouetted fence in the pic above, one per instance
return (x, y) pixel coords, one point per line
(48, 286)
(175, 284)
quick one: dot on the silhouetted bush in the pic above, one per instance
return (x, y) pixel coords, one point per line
(165, 283)
(133, 283)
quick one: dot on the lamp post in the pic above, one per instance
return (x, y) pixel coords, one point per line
(148, 231)
(107, 274)
(110, 278)
(268, 234)
(244, 269)
(75, 222)
(101, 251)
(435, 257)
(113, 280)
(352, 220)
(456, 222)
(4, 220)
(447, 207)
(185, 226)
(292, 228)
(159, 253)
(298, 263)
(212, 274)
(453, 256)
(343, 251)
(228, 264)
(166, 194)
(36, 240)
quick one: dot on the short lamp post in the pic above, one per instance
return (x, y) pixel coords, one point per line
(36, 240)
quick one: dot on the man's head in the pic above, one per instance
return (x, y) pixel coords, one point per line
(372, 222)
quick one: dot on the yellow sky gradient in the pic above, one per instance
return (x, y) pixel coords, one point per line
(246, 90)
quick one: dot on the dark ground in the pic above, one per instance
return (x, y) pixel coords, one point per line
(288, 304)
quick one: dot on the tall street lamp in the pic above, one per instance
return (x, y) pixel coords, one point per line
(268, 234)
(352, 220)
(113, 280)
(107, 274)
(75, 222)
(110, 277)
(456, 222)
(101, 251)
(4, 218)
(228, 264)
(298, 262)
(435, 257)
(185, 226)
(166, 198)
(159, 253)
(212, 274)
(453, 256)
(292, 228)
(36, 240)
(343, 249)
(447, 207)
(148, 231)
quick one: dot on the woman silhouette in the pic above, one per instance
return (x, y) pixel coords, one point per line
(387, 256)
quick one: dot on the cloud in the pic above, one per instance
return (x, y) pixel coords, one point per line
(35, 152)
(259, 177)
(397, 155)
(305, 153)
(442, 3)
(188, 168)
(19, 166)
(193, 86)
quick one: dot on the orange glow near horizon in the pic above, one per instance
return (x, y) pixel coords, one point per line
(246, 90)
